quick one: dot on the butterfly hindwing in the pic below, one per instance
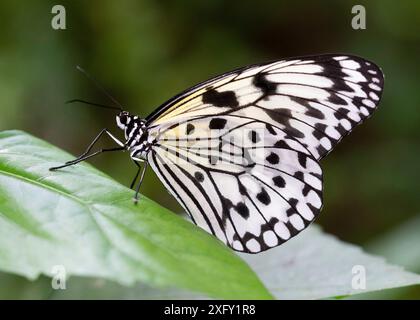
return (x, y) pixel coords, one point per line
(243, 180)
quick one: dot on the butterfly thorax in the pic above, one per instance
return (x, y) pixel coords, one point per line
(136, 135)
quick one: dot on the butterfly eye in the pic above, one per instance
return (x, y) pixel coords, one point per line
(122, 119)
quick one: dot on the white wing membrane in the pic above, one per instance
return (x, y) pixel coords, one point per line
(246, 182)
(240, 151)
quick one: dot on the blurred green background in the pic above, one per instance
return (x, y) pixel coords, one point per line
(144, 52)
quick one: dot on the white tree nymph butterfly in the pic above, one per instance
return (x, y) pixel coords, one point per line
(240, 152)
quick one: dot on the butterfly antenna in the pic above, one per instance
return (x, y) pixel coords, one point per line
(93, 104)
(101, 88)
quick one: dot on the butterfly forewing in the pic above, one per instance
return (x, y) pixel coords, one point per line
(240, 151)
(317, 100)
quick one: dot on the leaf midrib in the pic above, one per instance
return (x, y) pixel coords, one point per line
(45, 186)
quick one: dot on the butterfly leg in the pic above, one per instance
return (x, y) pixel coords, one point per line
(91, 145)
(80, 159)
(137, 174)
(84, 156)
(143, 171)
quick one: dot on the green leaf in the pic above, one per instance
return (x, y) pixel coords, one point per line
(314, 265)
(81, 219)
(317, 265)
(401, 244)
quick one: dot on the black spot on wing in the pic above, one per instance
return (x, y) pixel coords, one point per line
(254, 136)
(321, 150)
(279, 182)
(294, 132)
(293, 202)
(336, 99)
(263, 197)
(341, 113)
(334, 71)
(314, 113)
(310, 111)
(319, 133)
(242, 209)
(290, 212)
(217, 123)
(283, 116)
(281, 145)
(190, 129)
(220, 99)
(273, 158)
(314, 210)
(199, 176)
(266, 86)
(299, 175)
(270, 129)
(302, 159)
(306, 189)
(343, 131)
(226, 205)
(242, 189)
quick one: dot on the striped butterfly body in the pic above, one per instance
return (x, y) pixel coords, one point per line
(240, 151)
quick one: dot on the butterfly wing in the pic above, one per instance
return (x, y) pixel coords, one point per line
(299, 109)
(317, 99)
(243, 180)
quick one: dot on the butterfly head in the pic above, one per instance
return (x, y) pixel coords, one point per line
(133, 126)
(126, 121)
(123, 119)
